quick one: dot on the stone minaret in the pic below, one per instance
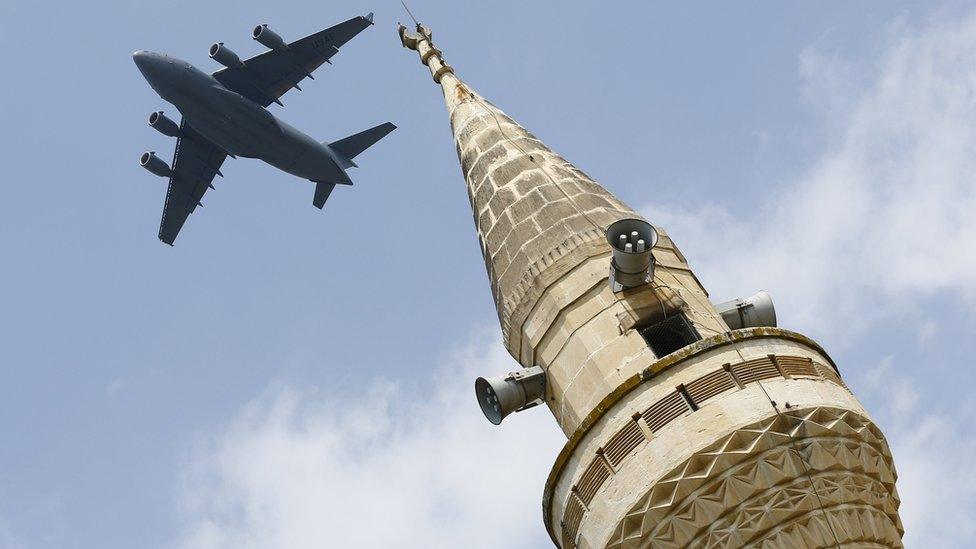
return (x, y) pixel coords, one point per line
(682, 432)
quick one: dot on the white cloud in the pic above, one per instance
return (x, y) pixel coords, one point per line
(380, 466)
(114, 386)
(927, 331)
(932, 447)
(884, 220)
(886, 216)
(8, 539)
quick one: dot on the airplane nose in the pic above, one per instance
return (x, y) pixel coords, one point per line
(151, 65)
(141, 57)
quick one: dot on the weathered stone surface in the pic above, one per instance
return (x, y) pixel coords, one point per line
(499, 203)
(514, 179)
(481, 197)
(555, 212)
(499, 232)
(480, 163)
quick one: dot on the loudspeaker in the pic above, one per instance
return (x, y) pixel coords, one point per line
(632, 263)
(751, 312)
(499, 396)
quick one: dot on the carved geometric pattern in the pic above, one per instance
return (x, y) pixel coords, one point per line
(853, 525)
(758, 487)
(674, 405)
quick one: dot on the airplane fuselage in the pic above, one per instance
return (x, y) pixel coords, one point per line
(235, 123)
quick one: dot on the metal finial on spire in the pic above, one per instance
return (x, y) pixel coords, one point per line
(423, 43)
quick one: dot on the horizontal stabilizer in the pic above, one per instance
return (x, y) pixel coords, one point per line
(350, 147)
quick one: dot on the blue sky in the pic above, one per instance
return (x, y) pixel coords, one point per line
(286, 375)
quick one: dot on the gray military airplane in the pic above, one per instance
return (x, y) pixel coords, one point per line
(225, 114)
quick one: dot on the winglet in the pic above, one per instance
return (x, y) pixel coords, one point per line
(369, 17)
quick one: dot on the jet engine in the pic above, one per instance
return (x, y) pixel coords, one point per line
(154, 164)
(223, 55)
(163, 124)
(268, 37)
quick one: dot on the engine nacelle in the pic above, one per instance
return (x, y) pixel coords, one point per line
(223, 55)
(163, 124)
(154, 164)
(268, 37)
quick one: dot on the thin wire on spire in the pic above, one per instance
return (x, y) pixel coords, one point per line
(410, 13)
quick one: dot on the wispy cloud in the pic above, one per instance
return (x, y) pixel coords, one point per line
(885, 215)
(932, 447)
(8, 539)
(877, 225)
(115, 386)
(384, 465)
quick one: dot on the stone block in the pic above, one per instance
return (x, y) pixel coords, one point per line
(482, 196)
(501, 230)
(477, 172)
(529, 180)
(485, 221)
(504, 197)
(588, 202)
(527, 206)
(507, 171)
(554, 212)
(550, 240)
(512, 272)
(489, 137)
(471, 127)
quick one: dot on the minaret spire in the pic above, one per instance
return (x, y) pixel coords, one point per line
(537, 215)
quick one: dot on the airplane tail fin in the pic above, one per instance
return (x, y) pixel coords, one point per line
(343, 151)
(348, 148)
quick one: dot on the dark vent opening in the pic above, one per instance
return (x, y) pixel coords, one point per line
(669, 335)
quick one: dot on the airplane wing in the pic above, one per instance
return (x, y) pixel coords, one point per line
(195, 164)
(266, 77)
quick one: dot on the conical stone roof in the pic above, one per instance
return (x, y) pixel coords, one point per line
(536, 214)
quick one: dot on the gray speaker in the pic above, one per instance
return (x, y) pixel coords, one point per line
(633, 262)
(499, 396)
(751, 312)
